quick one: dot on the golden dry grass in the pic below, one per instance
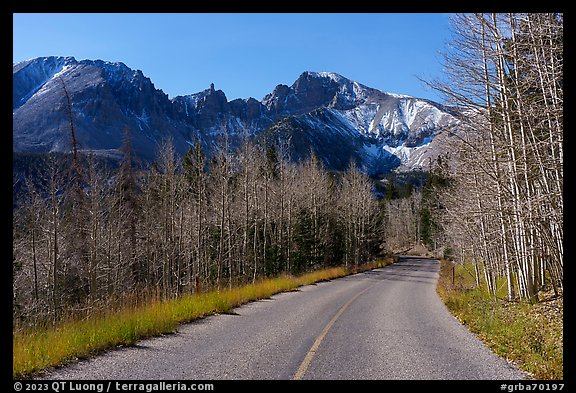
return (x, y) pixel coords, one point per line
(528, 335)
(35, 349)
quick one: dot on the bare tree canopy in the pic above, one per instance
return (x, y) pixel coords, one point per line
(505, 208)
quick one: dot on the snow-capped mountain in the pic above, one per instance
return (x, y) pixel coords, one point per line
(339, 119)
(382, 130)
(105, 98)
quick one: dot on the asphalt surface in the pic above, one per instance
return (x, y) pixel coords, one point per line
(387, 323)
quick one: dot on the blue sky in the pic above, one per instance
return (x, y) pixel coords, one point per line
(246, 55)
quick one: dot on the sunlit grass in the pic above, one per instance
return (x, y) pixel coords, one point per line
(530, 335)
(39, 348)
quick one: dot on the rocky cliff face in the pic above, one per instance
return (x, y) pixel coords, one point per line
(105, 98)
(381, 131)
(339, 119)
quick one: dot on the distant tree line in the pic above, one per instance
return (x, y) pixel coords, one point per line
(87, 235)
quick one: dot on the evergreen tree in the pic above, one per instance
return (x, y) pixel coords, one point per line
(430, 230)
(127, 205)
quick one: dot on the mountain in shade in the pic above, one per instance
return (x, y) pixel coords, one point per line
(340, 120)
(343, 120)
(105, 99)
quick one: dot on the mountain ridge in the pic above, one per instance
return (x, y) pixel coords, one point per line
(382, 131)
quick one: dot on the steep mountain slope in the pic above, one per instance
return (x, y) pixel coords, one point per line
(105, 98)
(211, 112)
(381, 131)
(330, 136)
(341, 120)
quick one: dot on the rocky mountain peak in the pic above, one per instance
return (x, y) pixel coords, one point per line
(319, 110)
(310, 91)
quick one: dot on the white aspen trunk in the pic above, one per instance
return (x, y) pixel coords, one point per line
(255, 242)
(496, 166)
(265, 226)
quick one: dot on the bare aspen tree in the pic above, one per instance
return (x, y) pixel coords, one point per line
(358, 210)
(97, 212)
(514, 60)
(288, 179)
(219, 180)
(194, 167)
(231, 218)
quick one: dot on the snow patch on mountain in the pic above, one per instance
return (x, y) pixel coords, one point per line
(343, 119)
(31, 75)
(143, 119)
(406, 153)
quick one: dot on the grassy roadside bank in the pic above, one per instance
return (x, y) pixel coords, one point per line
(38, 349)
(528, 335)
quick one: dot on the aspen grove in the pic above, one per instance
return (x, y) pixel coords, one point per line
(183, 225)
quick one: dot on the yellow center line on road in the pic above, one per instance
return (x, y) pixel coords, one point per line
(306, 362)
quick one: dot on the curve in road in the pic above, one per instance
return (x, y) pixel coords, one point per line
(387, 323)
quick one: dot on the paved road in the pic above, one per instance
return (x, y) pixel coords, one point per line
(387, 323)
